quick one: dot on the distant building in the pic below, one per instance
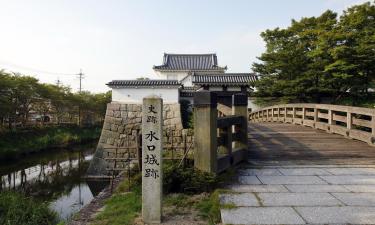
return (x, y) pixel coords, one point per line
(180, 76)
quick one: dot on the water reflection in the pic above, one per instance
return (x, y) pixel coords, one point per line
(56, 177)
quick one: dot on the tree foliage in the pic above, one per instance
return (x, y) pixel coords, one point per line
(20, 95)
(316, 57)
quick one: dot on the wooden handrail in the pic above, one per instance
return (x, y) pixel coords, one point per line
(228, 132)
(352, 122)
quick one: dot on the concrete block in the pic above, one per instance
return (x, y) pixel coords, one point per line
(356, 199)
(304, 171)
(317, 188)
(291, 180)
(255, 172)
(258, 188)
(338, 215)
(351, 171)
(361, 188)
(248, 180)
(256, 215)
(243, 199)
(298, 199)
(349, 179)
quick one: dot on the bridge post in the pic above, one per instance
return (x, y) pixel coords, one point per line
(303, 114)
(285, 112)
(330, 120)
(315, 116)
(205, 131)
(239, 108)
(349, 120)
(294, 115)
(373, 126)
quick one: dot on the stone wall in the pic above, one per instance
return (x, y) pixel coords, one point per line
(122, 125)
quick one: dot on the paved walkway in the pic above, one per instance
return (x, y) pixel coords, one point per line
(298, 175)
(302, 195)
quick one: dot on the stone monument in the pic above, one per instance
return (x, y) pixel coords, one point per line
(152, 137)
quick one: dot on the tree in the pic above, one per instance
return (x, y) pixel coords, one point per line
(354, 54)
(319, 57)
(6, 106)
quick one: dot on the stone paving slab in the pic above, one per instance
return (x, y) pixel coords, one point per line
(243, 199)
(292, 164)
(304, 171)
(298, 199)
(261, 215)
(356, 199)
(248, 180)
(338, 215)
(351, 171)
(302, 194)
(360, 188)
(349, 179)
(258, 188)
(291, 180)
(255, 172)
(316, 188)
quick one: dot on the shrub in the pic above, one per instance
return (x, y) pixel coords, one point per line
(17, 209)
(187, 180)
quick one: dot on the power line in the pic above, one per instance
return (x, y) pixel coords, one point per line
(4, 63)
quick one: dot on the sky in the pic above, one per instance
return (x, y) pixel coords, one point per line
(120, 39)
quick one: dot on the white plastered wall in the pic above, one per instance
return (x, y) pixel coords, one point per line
(136, 95)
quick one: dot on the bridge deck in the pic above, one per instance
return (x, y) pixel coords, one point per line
(280, 143)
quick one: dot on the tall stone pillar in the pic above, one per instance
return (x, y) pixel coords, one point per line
(205, 131)
(152, 146)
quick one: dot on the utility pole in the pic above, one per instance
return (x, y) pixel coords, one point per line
(80, 77)
(58, 81)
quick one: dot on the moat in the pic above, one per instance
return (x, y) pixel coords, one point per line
(55, 176)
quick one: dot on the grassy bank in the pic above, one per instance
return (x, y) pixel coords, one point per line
(14, 144)
(18, 209)
(189, 196)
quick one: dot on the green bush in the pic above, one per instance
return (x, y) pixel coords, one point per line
(17, 209)
(187, 179)
(186, 114)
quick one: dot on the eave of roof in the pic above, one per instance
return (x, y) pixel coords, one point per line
(189, 62)
(238, 79)
(144, 83)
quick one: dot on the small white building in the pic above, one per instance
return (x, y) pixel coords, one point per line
(180, 76)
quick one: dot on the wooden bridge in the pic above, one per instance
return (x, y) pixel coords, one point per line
(305, 164)
(294, 133)
(312, 133)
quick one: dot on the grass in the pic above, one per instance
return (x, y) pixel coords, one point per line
(124, 205)
(15, 144)
(15, 208)
(209, 207)
(185, 190)
(120, 209)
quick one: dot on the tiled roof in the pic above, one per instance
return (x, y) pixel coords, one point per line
(140, 83)
(224, 79)
(189, 62)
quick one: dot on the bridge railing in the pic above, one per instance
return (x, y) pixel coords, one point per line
(219, 142)
(352, 122)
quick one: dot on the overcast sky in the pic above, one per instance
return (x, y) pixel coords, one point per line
(118, 39)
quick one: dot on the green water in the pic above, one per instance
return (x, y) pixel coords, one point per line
(55, 176)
